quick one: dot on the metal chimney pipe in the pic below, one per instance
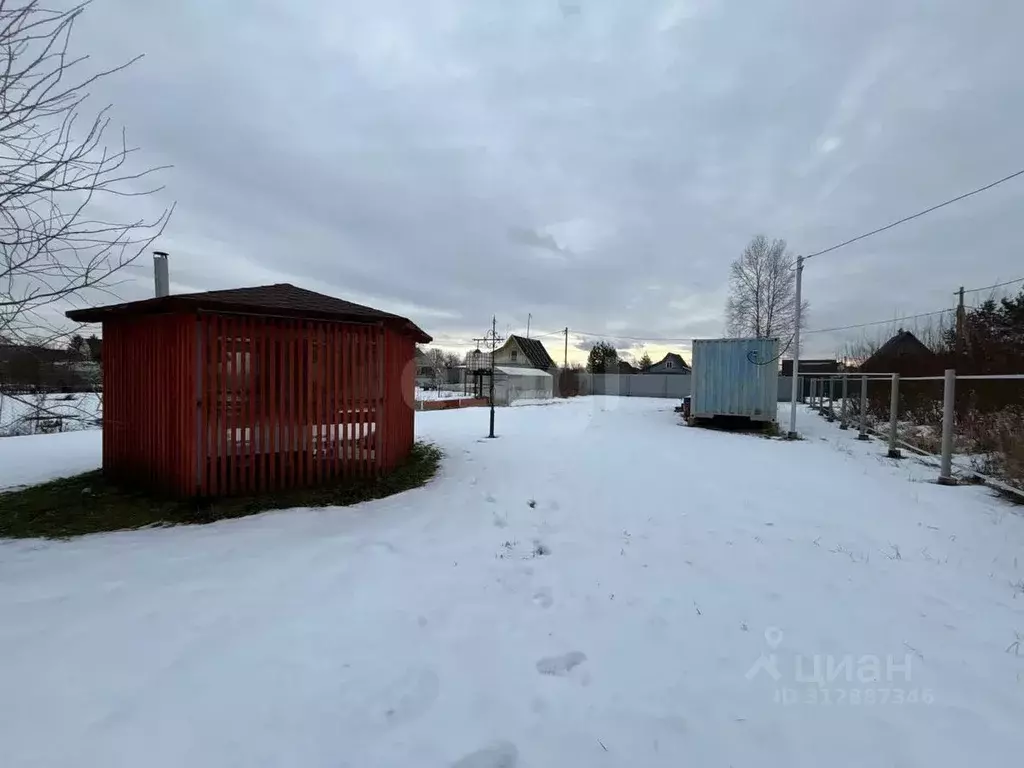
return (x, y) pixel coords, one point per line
(161, 278)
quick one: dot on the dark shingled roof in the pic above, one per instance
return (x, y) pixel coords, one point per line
(281, 299)
(902, 348)
(535, 352)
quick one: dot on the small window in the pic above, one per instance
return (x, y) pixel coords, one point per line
(668, 363)
(515, 355)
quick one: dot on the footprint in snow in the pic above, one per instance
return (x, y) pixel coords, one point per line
(501, 754)
(560, 666)
(543, 598)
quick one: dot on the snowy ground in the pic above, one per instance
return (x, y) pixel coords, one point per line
(597, 587)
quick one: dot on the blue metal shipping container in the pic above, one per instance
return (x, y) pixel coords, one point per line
(735, 377)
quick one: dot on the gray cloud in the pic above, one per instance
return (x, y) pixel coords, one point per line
(595, 164)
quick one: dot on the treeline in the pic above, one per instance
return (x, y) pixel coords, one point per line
(75, 367)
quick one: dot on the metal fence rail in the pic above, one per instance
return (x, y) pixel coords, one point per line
(822, 388)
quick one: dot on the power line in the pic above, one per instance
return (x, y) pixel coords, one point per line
(990, 287)
(883, 322)
(917, 215)
(627, 338)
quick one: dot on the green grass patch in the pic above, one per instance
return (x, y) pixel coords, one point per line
(88, 503)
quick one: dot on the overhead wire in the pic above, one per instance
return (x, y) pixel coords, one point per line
(882, 322)
(628, 338)
(991, 287)
(913, 216)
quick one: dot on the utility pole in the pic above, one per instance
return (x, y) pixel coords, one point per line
(565, 355)
(492, 338)
(796, 350)
(961, 341)
(529, 317)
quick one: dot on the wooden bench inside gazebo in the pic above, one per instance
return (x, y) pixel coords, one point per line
(255, 389)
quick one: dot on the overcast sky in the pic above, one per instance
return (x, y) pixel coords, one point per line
(597, 163)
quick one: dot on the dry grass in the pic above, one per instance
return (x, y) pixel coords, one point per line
(88, 503)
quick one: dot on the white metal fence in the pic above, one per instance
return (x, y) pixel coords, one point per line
(844, 397)
(673, 385)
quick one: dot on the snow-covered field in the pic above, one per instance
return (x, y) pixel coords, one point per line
(600, 586)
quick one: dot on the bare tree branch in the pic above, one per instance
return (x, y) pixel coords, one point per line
(54, 170)
(762, 291)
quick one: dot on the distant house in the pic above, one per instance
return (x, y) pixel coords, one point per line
(905, 354)
(626, 367)
(811, 367)
(522, 352)
(670, 363)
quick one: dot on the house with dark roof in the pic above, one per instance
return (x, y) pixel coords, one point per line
(670, 363)
(522, 352)
(626, 367)
(905, 354)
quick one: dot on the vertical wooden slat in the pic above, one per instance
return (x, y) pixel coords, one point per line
(212, 396)
(251, 422)
(353, 383)
(142, 420)
(238, 408)
(343, 393)
(307, 402)
(242, 410)
(230, 403)
(316, 375)
(180, 407)
(203, 373)
(327, 459)
(300, 403)
(282, 417)
(379, 413)
(388, 390)
(364, 431)
(260, 367)
(238, 372)
(274, 393)
(290, 419)
(221, 386)
(190, 405)
(178, 452)
(284, 340)
(370, 404)
(332, 397)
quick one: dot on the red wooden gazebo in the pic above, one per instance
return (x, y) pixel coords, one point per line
(254, 389)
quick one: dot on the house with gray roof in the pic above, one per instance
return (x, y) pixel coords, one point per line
(521, 352)
(670, 363)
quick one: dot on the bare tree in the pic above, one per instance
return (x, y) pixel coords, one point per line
(762, 291)
(56, 170)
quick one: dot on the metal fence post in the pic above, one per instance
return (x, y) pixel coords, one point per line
(948, 396)
(831, 398)
(894, 410)
(842, 408)
(863, 434)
